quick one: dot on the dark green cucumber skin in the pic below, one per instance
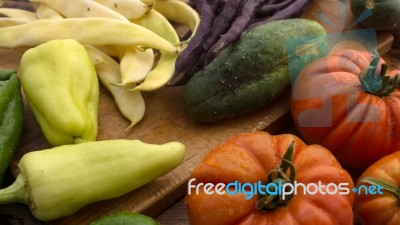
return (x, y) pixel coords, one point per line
(249, 74)
(125, 218)
(386, 13)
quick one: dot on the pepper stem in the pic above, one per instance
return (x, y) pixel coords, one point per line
(278, 176)
(386, 186)
(16, 192)
(381, 85)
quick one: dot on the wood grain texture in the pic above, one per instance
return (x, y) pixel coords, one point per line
(177, 213)
(165, 120)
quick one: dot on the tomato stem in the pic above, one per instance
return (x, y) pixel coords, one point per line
(279, 177)
(384, 185)
(381, 85)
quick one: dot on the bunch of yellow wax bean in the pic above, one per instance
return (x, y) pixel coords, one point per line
(132, 42)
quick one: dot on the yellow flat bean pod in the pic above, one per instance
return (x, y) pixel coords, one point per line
(107, 9)
(18, 13)
(165, 67)
(93, 31)
(178, 12)
(130, 103)
(81, 9)
(7, 21)
(135, 65)
(44, 11)
(160, 75)
(131, 9)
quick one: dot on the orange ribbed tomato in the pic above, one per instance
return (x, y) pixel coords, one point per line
(343, 103)
(382, 207)
(249, 158)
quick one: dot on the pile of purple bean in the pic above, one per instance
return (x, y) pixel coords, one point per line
(221, 24)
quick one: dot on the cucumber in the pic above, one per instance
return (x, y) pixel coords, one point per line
(254, 71)
(385, 13)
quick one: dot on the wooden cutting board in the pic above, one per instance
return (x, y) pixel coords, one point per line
(165, 120)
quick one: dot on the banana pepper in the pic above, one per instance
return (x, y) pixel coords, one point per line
(61, 86)
(11, 117)
(57, 182)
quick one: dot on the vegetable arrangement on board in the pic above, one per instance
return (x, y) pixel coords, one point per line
(222, 23)
(253, 71)
(129, 51)
(142, 40)
(233, 60)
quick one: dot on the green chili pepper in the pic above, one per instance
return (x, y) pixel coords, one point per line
(125, 218)
(11, 117)
(57, 182)
(61, 86)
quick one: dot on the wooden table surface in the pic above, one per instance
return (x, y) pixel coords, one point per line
(176, 213)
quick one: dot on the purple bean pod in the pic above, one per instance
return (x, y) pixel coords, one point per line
(268, 9)
(191, 52)
(290, 11)
(238, 26)
(272, 2)
(222, 22)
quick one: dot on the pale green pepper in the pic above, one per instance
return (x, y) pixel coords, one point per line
(57, 182)
(61, 86)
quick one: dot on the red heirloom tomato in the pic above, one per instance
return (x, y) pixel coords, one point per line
(347, 103)
(380, 205)
(249, 159)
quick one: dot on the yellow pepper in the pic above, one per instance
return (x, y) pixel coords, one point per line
(61, 86)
